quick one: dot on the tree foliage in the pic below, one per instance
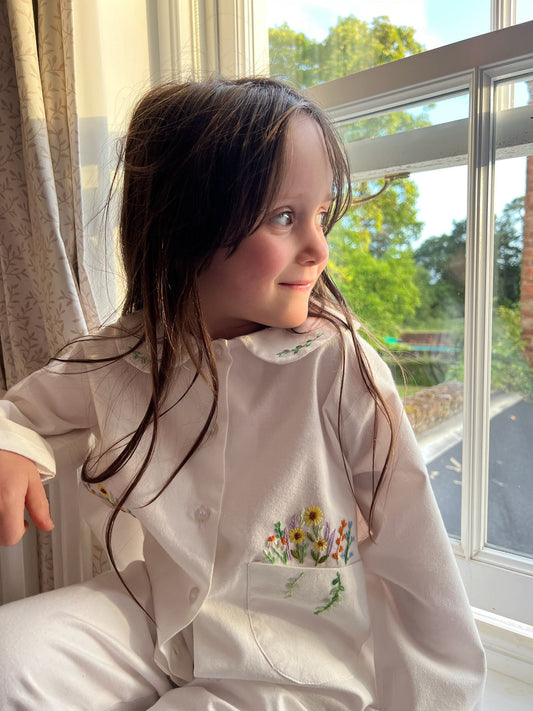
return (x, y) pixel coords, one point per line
(442, 260)
(372, 262)
(510, 370)
(382, 292)
(351, 46)
(441, 276)
(509, 239)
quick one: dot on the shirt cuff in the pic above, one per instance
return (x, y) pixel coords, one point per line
(21, 440)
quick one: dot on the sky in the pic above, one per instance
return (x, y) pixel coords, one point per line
(442, 193)
(436, 22)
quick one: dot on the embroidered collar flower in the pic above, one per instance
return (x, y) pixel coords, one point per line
(299, 347)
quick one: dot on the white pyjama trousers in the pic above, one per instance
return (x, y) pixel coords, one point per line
(87, 647)
(90, 647)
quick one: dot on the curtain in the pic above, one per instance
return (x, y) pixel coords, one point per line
(44, 296)
(68, 80)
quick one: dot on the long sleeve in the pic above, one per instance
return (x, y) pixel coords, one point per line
(44, 409)
(426, 647)
(55, 418)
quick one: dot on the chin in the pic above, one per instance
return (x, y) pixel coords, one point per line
(294, 321)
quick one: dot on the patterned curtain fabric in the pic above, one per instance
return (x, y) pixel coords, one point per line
(57, 159)
(44, 296)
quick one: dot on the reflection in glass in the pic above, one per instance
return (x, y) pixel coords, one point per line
(400, 262)
(510, 493)
(441, 111)
(313, 42)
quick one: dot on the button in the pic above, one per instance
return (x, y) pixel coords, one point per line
(193, 594)
(202, 514)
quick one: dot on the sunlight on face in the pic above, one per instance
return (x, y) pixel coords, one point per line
(269, 279)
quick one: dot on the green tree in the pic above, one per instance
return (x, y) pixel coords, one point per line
(351, 46)
(442, 260)
(372, 262)
(294, 57)
(508, 243)
(510, 370)
(382, 292)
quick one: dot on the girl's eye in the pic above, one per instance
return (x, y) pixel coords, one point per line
(321, 218)
(284, 218)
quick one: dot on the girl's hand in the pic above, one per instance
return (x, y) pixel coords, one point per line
(20, 485)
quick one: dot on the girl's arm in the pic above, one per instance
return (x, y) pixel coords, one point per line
(52, 401)
(426, 647)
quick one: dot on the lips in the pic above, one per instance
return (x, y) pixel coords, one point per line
(299, 285)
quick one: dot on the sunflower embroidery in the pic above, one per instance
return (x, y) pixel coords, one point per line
(313, 515)
(307, 537)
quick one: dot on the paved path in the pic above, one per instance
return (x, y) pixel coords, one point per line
(510, 500)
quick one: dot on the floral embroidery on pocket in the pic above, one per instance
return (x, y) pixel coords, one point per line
(335, 595)
(308, 538)
(292, 585)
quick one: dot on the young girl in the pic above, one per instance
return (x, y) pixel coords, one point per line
(294, 556)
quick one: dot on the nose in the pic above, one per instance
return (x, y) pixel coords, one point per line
(314, 247)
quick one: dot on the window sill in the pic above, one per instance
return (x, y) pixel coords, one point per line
(509, 647)
(503, 692)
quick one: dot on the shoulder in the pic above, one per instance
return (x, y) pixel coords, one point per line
(107, 343)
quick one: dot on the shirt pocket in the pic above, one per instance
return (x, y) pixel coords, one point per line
(311, 624)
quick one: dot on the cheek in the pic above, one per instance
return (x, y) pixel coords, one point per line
(262, 260)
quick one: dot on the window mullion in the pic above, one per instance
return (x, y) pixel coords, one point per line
(478, 314)
(502, 14)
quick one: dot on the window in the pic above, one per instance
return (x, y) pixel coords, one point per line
(482, 154)
(327, 40)
(458, 129)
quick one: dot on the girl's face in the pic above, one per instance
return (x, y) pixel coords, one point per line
(267, 281)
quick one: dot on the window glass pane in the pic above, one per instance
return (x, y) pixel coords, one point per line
(510, 493)
(400, 261)
(438, 112)
(524, 10)
(315, 41)
(436, 407)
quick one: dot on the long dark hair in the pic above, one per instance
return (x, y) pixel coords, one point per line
(201, 165)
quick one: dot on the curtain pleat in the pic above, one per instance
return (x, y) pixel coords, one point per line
(41, 304)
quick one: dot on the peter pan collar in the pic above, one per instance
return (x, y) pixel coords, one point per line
(279, 345)
(273, 345)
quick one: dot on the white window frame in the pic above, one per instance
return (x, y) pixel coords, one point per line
(499, 584)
